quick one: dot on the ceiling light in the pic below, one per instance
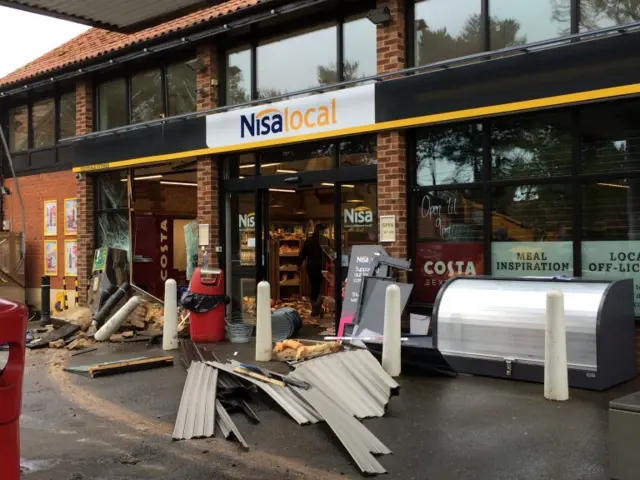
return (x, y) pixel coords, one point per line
(147, 177)
(269, 165)
(615, 185)
(355, 200)
(180, 184)
(348, 186)
(380, 15)
(251, 165)
(281, 190)
(286, 171)
(328, 184)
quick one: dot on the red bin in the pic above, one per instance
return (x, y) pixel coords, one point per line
(208, 326)
(13, 330)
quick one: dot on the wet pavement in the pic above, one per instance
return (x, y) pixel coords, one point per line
(438, 428)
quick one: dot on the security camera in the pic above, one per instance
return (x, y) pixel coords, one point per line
(79, 176)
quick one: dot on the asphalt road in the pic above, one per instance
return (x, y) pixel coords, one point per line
(438, 428)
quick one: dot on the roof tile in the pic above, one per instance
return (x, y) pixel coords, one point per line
(96, 42)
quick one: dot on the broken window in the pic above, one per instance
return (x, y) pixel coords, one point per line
(112, 216)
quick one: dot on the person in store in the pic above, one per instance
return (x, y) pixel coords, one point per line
(312, 253)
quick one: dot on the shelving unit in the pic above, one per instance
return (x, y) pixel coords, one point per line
(288, 274)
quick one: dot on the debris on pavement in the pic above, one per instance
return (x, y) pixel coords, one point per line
(80, 316)
(122, 366)
(197, 412)
(297, 350)
(79, 343)
(82, 352)
(53, 336)
(57, 343)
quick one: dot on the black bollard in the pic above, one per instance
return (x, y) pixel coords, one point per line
(112, 301)
(45, 300)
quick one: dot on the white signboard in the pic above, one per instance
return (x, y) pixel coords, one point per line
(613, 261)
(532, 259)
(387, 228)
(314, 116)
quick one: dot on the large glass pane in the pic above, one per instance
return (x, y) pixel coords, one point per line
(112, 104)
(531, 228)
(239, 85)
(42, 118)
(293, 63)
(111, 190)
(241, 165)
(19, 128)
(181, 89)
(531, 146)
(360, 58)
(359, 151)
(242, 238)
(516, 23)
(146, 96)
(297, 158)
(611, 137)
(596, 14)
(449, 230)
(445, 31)
(449, 154)
(68, 115)
(611, 232)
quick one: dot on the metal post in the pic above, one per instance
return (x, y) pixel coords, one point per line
(45, 300)
(118, 319)
(391, 343)
(556, 374)
(263, 323)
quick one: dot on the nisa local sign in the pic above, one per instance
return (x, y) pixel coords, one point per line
(358, 217)
(343, 112)
(247, 221)
(272, 121)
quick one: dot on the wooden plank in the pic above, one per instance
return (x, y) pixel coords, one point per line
(130, 366)
(262, 378)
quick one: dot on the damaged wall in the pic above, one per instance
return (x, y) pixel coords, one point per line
(35, 189)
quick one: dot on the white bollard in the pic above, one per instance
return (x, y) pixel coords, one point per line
(556, 372)
(391, 343)
(118, 319)
(170, 328)
(263, 323)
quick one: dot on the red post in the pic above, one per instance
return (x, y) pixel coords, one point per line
(13, 327)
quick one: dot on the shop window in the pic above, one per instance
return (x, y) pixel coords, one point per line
(297, 62)
(443, 31)
(611, 232)
(146, 96)
(531, 146)
(359, 151)
(297, 158)
(596, 14)
(67, 115)
(450, 154)
(531, 229)
(112, 104)
(42, 124)
(111, 189)
(239, 86)
(360, 57)
(112, 217)
(240, 165)
(518, 23)
(610, 137)
(449, 233)
(181, 89)
(359, 215)
(19, 128)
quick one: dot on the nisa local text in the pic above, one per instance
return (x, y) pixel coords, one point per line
(275, 120)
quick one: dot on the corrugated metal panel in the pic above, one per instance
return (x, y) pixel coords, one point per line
(112, 14)
(227, 426)
(196, 414)
(354, 379)
(295, 406)
(356, 438)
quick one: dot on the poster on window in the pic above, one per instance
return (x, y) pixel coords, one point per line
(532, 259)
(50, 218)
(70, 258)
(51, 258)
(70, 216)
(613, 260)
(438, 262)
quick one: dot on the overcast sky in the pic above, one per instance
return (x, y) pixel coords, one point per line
(26, 36)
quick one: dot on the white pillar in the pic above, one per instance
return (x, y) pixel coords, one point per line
(170, 328)
(556, 372)
(263, 323)
(391, 342)
(118, 319)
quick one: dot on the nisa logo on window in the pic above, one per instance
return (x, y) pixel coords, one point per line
(275, 120)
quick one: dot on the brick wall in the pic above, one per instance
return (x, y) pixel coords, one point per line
(208, 182)
(35, 189)
(392, 151)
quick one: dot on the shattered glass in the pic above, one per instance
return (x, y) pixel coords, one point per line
(191, 241)
(113, 230)
(112, 190)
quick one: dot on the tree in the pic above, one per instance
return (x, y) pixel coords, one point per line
(236, 92)
(328, 75)
(599, 13)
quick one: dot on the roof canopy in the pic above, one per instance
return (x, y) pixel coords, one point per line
(125, 16)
